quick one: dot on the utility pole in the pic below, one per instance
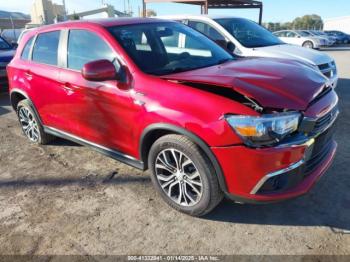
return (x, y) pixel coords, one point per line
(65, 10)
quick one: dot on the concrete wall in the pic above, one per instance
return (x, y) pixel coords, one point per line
(339, 23)
(45, 12)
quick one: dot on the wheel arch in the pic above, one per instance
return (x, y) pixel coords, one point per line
(17, 95)
(309, 41)
(155, 131)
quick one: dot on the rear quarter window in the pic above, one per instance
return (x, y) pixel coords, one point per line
(26, 50)
(45, 49)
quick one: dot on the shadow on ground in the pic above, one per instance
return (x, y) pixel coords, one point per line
(90, 180)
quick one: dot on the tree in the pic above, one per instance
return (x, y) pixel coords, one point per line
(312, 22)
(75, 16)
(308, 22)
(150, 12)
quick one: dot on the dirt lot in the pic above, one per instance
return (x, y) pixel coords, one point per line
(67, 199)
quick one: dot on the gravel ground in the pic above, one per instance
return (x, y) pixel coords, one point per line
(68, 199)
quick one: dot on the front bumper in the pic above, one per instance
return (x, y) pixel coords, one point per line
(249, 174)
(287, 170)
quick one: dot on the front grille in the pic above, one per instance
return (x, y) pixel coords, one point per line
(324, 121)
(323, 66)
(328, 69)
(320, 150)
(314, 126)
(316, 159)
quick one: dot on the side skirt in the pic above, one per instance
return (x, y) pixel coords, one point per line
(126, 159)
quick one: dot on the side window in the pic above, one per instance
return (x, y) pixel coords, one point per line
(291, 34)
(171, 40)
(85, 47)
(176, 42)
(26, 50)
(45, 49)
(199, 26)
(208, 30)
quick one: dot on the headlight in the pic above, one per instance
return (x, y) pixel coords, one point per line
(266, 129)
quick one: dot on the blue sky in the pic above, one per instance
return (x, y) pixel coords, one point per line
(274, 10)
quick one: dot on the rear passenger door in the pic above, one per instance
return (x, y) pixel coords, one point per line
(43, 75)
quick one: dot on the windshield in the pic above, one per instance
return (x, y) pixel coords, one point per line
(168, 47)
(249, 33)
(4, 44)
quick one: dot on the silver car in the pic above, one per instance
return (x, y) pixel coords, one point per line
(332, 40)
(301, 38)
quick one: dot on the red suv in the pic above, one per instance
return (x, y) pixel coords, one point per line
(158, 95)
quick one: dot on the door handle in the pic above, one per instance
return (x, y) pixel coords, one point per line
(67, 87)
(28, 74)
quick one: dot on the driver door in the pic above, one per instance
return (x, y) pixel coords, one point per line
(293, 38)
(99, 110)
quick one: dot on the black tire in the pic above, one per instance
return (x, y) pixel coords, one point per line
(308, 44)
(211, 194)
(42, 137)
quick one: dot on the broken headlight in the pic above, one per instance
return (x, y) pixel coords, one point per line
(264, 130)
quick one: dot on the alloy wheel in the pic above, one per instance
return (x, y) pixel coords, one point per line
(29, 125)
(178, 177)
(308, 45)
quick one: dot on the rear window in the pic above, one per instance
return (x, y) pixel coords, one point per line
(26, 50)
(45, 50)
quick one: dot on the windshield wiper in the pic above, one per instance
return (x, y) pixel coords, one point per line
(180, 69)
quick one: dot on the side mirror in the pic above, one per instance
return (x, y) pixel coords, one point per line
(100, 70)
(230, 47)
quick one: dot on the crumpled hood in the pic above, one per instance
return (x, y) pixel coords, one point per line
(7, 55)
(293, 52)
(273, 83)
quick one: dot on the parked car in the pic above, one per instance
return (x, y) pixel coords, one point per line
(341, 37)
(11, 35)
(301, 38)
(246, 38)
(6, 54)
(207, 124)
(329, 40)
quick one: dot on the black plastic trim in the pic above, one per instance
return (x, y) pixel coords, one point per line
(104, 150)
(178, 130)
